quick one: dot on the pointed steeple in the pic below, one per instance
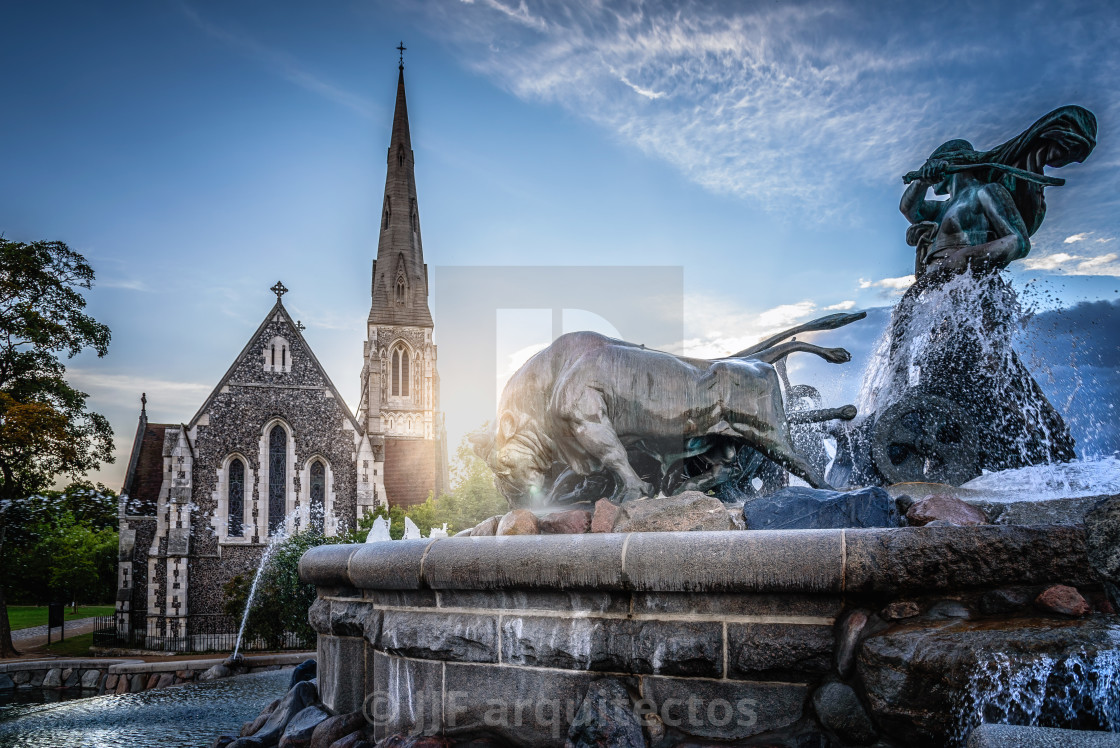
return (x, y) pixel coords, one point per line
(400, 277)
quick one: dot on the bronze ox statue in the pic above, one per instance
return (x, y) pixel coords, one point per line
(592, 417)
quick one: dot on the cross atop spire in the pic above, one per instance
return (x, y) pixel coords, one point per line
(401, 48)
(279, 290)
(400, 284)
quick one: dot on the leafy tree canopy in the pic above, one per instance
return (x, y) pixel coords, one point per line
(67, 546)
(45, 430)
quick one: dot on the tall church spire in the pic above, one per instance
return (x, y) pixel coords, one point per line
(400, 277)
(404, 447)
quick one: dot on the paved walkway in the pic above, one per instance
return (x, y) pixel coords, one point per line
(37, 635)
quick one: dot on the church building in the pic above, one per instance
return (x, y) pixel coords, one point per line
(274, 449)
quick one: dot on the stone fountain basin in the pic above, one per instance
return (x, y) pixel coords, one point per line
(441, 636)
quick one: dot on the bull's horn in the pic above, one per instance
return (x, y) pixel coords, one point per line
(846, 413)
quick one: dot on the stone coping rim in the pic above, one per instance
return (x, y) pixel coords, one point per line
(132, 665)
(807, 561)
(16, 666)
(291, 658)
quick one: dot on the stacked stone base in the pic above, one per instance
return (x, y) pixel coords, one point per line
(844, 637)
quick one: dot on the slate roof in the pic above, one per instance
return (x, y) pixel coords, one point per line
(144, 478)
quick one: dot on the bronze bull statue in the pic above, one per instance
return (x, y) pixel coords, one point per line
(578, 417)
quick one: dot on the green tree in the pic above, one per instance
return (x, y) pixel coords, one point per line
(45, 429)
(472, 499)
(67, 543)
(80, 558)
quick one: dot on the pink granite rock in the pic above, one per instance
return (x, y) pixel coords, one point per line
(571, 522)
(486, 527)
(519, 522)
(1063, 600)
(947, 509)
(605, 516)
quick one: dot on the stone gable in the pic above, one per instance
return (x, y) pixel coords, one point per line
(183, 556)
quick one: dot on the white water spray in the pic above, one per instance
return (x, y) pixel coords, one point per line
(273, 541)
(1080, 690)
(954, 339)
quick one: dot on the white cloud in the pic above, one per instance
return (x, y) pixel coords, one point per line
(717, 327)
(123, 390)
(784, 104)
(1064, 263)
(122, 283)
(1085, 236)
(641, 91)
(843, 306)
(744, 101)
(893, 286)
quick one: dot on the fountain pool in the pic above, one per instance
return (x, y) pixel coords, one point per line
(180, 717)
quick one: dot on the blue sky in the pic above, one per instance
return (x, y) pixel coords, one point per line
(196, 152)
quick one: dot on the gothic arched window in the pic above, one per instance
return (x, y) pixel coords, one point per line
(399, 373)
(404, 373)
(317, 492)
(235, 495)
(277, 477)
(400, 290)
(386, 213)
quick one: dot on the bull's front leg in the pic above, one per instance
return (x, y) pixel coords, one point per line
(586, 417)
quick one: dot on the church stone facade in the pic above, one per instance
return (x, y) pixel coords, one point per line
(274, 449)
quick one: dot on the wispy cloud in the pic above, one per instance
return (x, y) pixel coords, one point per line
(890, 286)
(339, 317)
(1088, 236)
(123, 390)
(789, 105)
(282, 64)
(1064, 263)
(743, 100)
(716, 326)
(123, 283)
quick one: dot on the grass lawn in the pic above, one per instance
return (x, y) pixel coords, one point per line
(74, 646)
(26, 616)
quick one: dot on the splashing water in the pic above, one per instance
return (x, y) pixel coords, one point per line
(273, 542)
(954, 339)
(1095, 477)
(379, 532)
(1078, 691)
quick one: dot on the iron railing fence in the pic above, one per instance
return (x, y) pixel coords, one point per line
(205, 633)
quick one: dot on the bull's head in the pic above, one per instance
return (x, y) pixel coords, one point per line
(519, 456)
